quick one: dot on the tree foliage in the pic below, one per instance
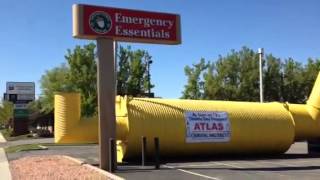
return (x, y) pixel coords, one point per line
(132, 72)
(6, 112)
(194, 88)
(236, 77)
(82, 76)
(54, 80)
(79, 74)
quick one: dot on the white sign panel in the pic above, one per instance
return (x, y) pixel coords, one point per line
(20, 88)
(25, 97)
(207, 127)
(20, 106)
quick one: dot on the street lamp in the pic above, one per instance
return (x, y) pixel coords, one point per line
(261, 52)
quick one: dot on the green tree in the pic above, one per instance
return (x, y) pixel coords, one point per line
(293, 82)
(236, 77)
(195, 86)
(310, 73)
(54, 80)
(249, 75)
(123, 72)
(233, 77)
(6, 113)
(212, 85)
(133, 72)
(272, 79)
(82, 75)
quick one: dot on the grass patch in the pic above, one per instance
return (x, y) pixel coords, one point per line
(6, 133)
(25, 147)
(20, 137)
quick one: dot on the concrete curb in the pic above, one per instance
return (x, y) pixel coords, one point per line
(107, 174)
(4, 166)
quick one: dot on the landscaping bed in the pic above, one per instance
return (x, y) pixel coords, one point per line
(52, 167)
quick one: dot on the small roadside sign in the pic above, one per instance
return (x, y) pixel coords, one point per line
(21, 113)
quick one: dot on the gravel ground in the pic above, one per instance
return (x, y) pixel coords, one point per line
(51, 167)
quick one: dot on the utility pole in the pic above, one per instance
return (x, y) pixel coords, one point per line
(261, 52)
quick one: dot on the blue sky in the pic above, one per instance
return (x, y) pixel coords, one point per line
(35, 34)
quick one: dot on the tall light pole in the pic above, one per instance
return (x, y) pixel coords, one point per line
(260, 52)
(149, 61)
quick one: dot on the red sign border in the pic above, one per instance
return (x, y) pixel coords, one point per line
(78, 31)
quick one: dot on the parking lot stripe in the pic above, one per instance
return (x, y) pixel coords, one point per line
(208, 164)
(193, 173)
(230, 165)
(281, 164)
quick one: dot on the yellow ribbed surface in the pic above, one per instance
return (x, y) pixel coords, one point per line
(67, 116)
(68, 126)
(255, 127)
(306, 124)
(314, 99)
(307, 117)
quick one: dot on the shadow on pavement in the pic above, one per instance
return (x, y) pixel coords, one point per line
(223, 158)
(297, 168)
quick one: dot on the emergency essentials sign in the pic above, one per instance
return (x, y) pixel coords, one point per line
(91, 22)
(207, 127)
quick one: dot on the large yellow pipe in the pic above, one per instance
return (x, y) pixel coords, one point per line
(69, 128)
(255, 127)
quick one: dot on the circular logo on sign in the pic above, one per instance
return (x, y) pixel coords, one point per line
(100, 22)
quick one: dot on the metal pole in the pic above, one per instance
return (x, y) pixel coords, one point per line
(112, 155)
(260, 51)
(156, 153)
(149, 88)
(143, 151)
(106, 98)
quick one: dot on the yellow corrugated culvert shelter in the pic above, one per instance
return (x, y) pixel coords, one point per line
(249, 127)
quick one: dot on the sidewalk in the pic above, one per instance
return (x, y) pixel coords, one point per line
(4, 165)
(2, 139)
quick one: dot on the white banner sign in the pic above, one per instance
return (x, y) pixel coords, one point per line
(20, 88)
(207, 127)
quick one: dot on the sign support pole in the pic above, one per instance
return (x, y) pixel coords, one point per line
(106, 86)
(98, 23)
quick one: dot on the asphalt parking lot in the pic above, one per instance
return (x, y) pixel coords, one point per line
(295, 164)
